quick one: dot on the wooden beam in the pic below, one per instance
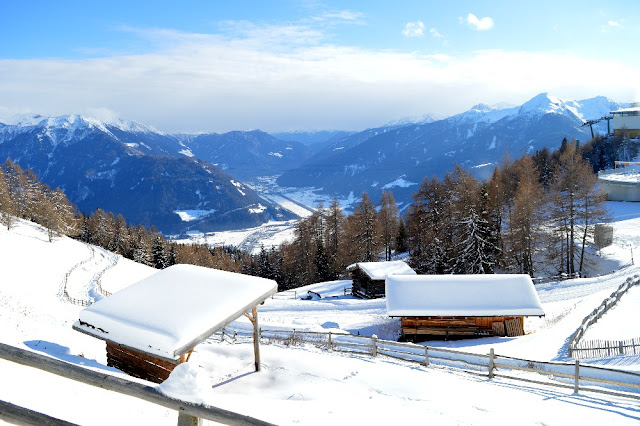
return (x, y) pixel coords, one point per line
(19, 415)
(123, 386)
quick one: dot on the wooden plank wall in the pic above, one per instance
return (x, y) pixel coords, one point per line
(138, 364)
(462, 326)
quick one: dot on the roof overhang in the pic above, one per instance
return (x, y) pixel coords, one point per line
(169, 313)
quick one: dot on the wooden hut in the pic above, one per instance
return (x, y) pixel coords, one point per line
(369, 277)
(152, 326)
(457, 306)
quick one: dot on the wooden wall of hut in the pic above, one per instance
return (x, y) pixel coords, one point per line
(451, 327)
(139, 364)
(364, 287)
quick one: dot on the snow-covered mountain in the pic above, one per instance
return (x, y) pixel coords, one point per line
(399, 157)
(247, 154)
(128, 168)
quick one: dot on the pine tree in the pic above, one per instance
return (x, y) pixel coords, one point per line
(362, 232)
(473, 248)
(429, 227)
(334, 219)
(158, 255)
(402, 245)
(388, 219)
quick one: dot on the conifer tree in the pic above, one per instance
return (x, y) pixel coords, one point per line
(158, 255)
(388, 219)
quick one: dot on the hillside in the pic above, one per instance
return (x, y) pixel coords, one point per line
(300, 384)
(133, 170)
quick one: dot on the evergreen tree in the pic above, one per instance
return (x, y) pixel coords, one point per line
(402, 244)
(388, 219)
(158, 255)
(334, 219)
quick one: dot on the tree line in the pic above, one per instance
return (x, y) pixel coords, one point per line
(540, 208)
(23, 195)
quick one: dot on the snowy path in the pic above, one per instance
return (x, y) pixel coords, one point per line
(82, 282)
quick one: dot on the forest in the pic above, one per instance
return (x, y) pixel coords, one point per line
(535, 214)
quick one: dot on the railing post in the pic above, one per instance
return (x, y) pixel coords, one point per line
(330, 342)
(222, 335)
(187, 420)
(374, 348)
(426, 356)
(576, 387)
(491, 363)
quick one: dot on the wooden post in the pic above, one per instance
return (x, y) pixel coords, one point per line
(426, 356)
(253, 317)
(374, 348)
(256, 337)
(187, 420)
(491, 362)
(576, 387)
(330, 343)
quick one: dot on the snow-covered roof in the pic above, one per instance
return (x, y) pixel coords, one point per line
(462, 295)
(631, 110)
(381, 270)
(170, 312)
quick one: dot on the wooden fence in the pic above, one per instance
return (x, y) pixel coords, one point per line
(578, 350)
(188, 413)
(605, 348)
(561, 277)
(567, 375)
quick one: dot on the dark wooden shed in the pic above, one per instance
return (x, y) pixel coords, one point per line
(369, 277)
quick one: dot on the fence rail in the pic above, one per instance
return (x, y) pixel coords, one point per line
(567, 375)
(188, 412)
(606, 348)
(561, 277)
(578, 349)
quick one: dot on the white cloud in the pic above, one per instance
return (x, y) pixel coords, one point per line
(614, 24)
(265, 80)
(477, 24)
(435, 33)
(413, 29)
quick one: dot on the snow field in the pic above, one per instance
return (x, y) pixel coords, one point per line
(303, 384)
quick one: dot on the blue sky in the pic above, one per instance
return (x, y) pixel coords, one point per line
(283, 65)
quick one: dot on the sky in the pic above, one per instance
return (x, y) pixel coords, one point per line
(217, 66)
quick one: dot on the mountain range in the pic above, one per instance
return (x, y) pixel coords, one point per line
(151, 178)
(181, 182)
(399, 157)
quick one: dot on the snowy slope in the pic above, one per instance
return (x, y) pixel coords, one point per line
(299, 384)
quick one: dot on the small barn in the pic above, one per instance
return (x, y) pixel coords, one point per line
(153, 325)
(459, 306)
(369, 277)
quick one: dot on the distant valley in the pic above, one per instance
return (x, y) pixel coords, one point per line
(204, 182)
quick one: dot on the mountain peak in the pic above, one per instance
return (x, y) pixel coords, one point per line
(545, 103)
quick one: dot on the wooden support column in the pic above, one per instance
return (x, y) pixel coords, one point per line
(256, 335)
